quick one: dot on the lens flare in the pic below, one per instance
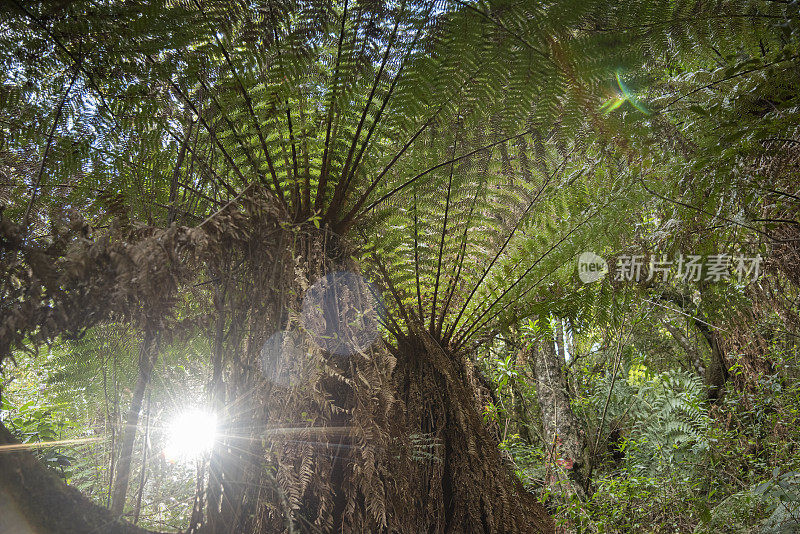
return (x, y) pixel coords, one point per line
(340, 312)
(282, 358)
(190, 436)
(625, 95)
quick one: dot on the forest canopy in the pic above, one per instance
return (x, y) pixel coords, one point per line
(410, 266)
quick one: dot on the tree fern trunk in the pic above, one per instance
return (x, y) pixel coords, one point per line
(329, 447)
(462, 485)
(34, 499)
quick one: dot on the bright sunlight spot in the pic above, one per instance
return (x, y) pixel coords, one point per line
(190, 435)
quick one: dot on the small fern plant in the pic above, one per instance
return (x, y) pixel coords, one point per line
(670, 423)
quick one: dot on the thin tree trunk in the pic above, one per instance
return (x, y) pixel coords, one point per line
(198, 508)
(565, 441)
(522, 417)
(114, 419)
(716, 375)
(109, 423)
(688, 347)
(571, 343)
(559, 339)
(147, 355)
(217, 513)
(142, 477)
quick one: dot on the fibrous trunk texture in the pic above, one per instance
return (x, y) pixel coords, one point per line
(361, 440)
(306, 420)
(33, 500)
(313, 438)
(458, 481)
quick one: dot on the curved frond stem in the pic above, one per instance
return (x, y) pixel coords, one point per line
(459, 264)
(77, 62)
(416, 252)
(503, 27)
(355, 213)
(476, 325)
(206, 167)
(497, 255)
(352, 214)
(386, 318)
(713, 215)
(251, 110)
(211, 133)
(392, 290)
(669, 104)
(440, 165)
(296, 196)
(48, 145)
(176, 174)
(344, 182)
(384, 103)
(232, 126)
(441, 242)
(319, 199)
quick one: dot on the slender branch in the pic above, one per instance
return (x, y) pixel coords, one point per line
(725, 79)
(614, 372)
(786, 221)
(776, 192)
(715, 216)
